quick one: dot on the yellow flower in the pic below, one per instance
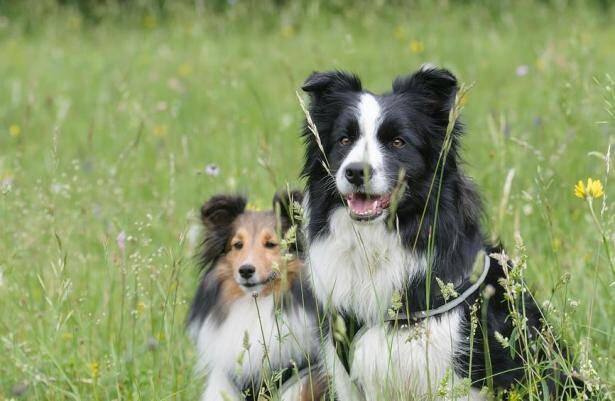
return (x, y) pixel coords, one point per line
(15, 130)
(287, 31)
(399, 32)
(253, 207)
(184, 70)
(74, 22)
(160, 130)
(149, 21)
(541, 64)
(593, 189)
(416, 46)
(94, 369)
(140, 307)
(579, 190)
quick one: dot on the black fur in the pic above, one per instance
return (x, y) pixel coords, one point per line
(217, 215)
(417, 109)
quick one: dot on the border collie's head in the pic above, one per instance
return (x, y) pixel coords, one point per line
(377, 145)
(243, 247)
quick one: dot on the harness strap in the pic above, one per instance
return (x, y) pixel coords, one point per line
(420, 315)
(344, 333)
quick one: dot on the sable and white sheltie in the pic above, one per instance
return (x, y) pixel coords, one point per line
(252, 318)
(393, 230)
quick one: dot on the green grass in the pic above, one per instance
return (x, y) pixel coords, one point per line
(107, 128)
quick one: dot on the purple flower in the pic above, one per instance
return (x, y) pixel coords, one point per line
(212, 170)
(121, 241)
(522, 70)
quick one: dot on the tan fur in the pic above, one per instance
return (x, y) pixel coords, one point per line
(254, 230)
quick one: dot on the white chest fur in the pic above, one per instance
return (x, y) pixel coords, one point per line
(410, 364)
(358, 266)
(273, 342)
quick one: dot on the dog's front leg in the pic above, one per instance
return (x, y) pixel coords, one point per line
(219, 388)
(342, 385)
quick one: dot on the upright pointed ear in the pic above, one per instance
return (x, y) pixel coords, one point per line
(287, 205)
(222, 210)
(436, 86)
(331, 81)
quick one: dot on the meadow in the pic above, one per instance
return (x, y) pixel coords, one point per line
(113, 133)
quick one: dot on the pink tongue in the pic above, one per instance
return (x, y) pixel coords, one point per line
(362, 205)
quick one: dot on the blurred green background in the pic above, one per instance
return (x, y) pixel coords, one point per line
(118, 119)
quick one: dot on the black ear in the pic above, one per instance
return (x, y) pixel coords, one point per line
(286, 205)
(222, 210)
(436, 86)
(331, 81)
(218, 215)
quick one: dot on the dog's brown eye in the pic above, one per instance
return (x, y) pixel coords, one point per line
(238, 245)
(270, 244)
(345, 141)
(398, 143)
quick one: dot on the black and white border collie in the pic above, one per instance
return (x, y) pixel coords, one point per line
(383, 227)
(253, 318)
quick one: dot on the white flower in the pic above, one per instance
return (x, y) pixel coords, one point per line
(121, 241)
(212, 170)
(522, 70)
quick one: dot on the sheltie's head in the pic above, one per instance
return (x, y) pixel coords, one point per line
(250, 251)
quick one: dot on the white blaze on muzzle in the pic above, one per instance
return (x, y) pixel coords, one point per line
(366, 149)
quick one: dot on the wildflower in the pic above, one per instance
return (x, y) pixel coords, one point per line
(74, 22)
(121, 241)
(593, 189)
(94, 369)
(212, 170)
(416, 46)
(149, 21)
(522, 70)
(541, 64)
(504, 342)
(15, 130)
(184, 70)
(287, 31)
(160, 130)
(447, 289)
(399, 32)
(395, 304)
(253, 207)
(140, 307)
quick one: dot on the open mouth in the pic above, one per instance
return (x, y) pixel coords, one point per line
(364, 206)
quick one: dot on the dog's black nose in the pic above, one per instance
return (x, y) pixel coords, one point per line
(355, 173)
(246, 271)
